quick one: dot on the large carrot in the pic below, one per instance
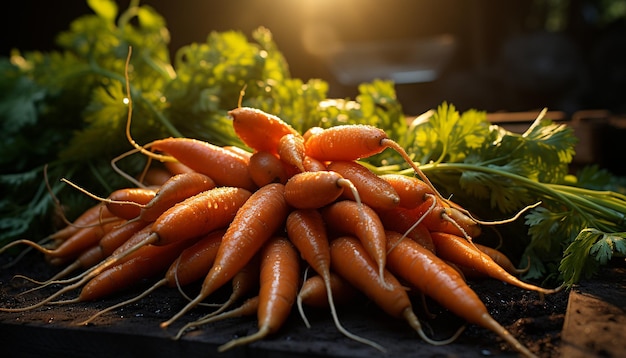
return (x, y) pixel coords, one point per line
(279, 280)
(350, 261)
(348, 217)
(374, 191)
(307, 231)
(225, 167)
(431, 275)
(254, 223)
(259, 130)
(312, 190)
(458, 250)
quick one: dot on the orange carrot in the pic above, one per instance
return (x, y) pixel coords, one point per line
(312, 164)
(94, 215)
(411, 190)
(374, 191)
(291, 150)
(432, 276)
(458, 250)
(280, 270)
(265, 168)
(259, 130)
(350, 261)
(404, 221)
(312, 190)
(349, 217)
(178, 188)
(126, 203)
(223, 166)
(156, 176)
(255, 222)
(314, 293)
(176, 167)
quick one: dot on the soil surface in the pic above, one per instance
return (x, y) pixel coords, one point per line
(133, 330)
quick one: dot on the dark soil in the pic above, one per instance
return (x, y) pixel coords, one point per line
(134, 330)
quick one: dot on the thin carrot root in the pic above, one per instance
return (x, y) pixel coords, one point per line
(260, 334)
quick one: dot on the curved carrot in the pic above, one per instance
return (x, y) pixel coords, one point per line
(458, 250)
(404, 221)
(350, 261)
(254, 223)
(223, 166)
(280, 270)
(432, 276)
(349, 217)
(374, 191)
(411, 190)
(291, 150)
(265, 168)
(259, 130)
(176, 189)
(307, 231)
(312, 190)
(126, 203)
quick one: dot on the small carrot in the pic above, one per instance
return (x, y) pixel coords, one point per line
(254, 223)
(314, 293)
(312, 190)
(349, 217)
(126, 203)
(259, 130)
(458, 250)
(265, 168)
(405, 221)
(350, 261)
(176, 167)
(291, 150)
(223, 166)
(94, 215)
(374, 191)
(307, 231)
(279, 280)
(411, 190)
(178, 188)
(155, 176)
(431, 275)
(439, 215)
(312, 164)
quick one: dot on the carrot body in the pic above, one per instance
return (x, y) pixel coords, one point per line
(84, 239)
(348, 217)
(410, 190)
(458, 250)
(432, 276)
(279, 282)
(92, 216)
(265, 168)
(156, 176)
(223, 166)
(259, 130)
(200, 214)
(178, 188)
(401, 220)
(345, 142)
(194, 262)
(254, 223)
(374, 191)
(291, 150)
(313, 292)
(312, 190)
(122, 199)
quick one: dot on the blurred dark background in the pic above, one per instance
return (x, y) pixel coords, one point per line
(512, 55)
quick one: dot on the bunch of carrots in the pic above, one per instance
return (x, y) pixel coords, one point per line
(259, 220)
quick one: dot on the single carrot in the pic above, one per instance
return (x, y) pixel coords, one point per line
(176, 167)
(411, 190)
(239, 151)
(374, 191)
(431, 275)
(350, 261)
(405, 221)
(126, 203)
(259, 130)
(458, 250)
(439, 215)
(315, 294)
(156, 176)
(178, 188)
(223, 166)
(265, 168)
(312, 190)
(291, 150)
(312, 164)
(349, 217)
(307, 231)
(254, 223)
(279, 282)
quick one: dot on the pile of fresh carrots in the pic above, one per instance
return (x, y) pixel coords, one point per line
(259, 220)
